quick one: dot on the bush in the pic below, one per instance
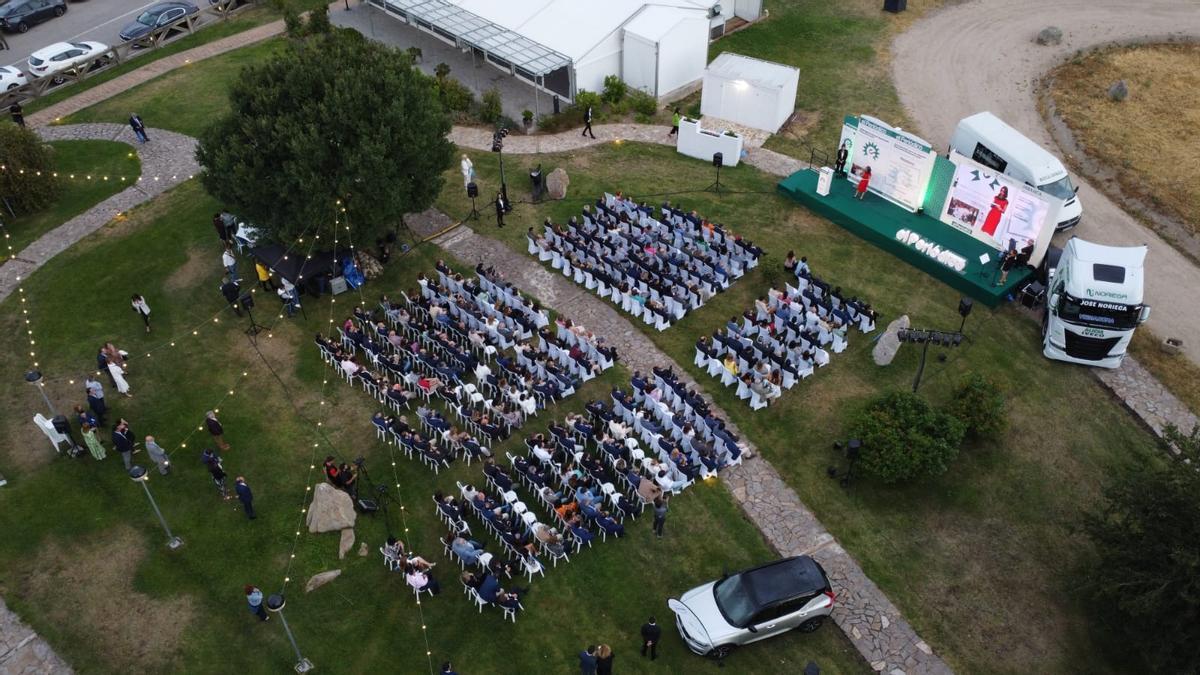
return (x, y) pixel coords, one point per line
(693, 111)
(489, 108)
(441, 71)
(569, 118)
(414, 53)
(454, 95)
(903, 438)
(614, 89)
(979, 404)
(643, 103)
(585, 98)
(24, 157)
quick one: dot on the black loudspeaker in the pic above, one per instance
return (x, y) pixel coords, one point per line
(367, 506)
(964, 307)
(718, 159)
(247, 301)
(472, 190)
(895, 6)
(61, 425)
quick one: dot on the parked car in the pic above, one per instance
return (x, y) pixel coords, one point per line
(753, 605)
(60, 56)
(19, 15)
(11, 77)
(156, 16)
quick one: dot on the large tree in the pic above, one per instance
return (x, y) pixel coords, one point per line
(334, 118)
(1146, 579)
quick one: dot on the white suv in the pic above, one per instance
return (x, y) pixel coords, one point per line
(62, 56)
(753, 605)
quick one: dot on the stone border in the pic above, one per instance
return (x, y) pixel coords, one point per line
(23, 651)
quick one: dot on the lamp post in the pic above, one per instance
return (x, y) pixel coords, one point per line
(34, 377)
(138, 475)
(275, 605)
(498, 147)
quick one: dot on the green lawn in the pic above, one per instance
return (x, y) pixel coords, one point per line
(965, 556)
(82, 558)
(90, 172)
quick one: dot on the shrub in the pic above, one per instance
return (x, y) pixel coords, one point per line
(904, 438)
(527, 116)
(569, 118)
(441, 71)
(454, 94)
(643, 103)
(979, 404)
(585, 98)
(414, 53)
(24, 156)
(489, 108)
(614, 89)
(693, 110)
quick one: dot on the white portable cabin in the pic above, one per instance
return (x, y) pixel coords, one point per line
(751, 92)
(665, 50)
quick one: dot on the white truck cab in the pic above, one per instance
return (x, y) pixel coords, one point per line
(1094, 303)
(986, 139)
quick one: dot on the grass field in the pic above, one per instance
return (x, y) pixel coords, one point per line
(89, 162)
(80, 542)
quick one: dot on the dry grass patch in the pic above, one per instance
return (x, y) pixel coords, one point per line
(1179, 375)
(87, 587)
(199, 264)
(1151, 140)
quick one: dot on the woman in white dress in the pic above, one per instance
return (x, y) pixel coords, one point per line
(116, 367)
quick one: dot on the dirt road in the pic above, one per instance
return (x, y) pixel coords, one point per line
(980, 55)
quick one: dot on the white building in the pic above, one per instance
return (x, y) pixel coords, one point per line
(752, 92)
(562, 46)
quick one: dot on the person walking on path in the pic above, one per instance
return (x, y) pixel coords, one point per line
(215, 428)
(587, 123)
(139, 129)
(587, 661)
(651, 632)
(95, 397)
(230, 289)
(156, 453)
(660, 516)
(254, 598)
(245, 496)
(140, 306)
(18, 115)
(264, 276)
(863, 182)
(604, 660)
(122, 438)
(213, 462)
(92, 440)
(675, 117)
(230, 263)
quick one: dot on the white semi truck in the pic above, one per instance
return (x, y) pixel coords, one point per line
(1094, 303)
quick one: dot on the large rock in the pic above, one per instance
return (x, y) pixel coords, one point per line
(1119, 91)
(346, 543)
(319, 580)
(331, 509)
(362, 550)
(1050, 35)
(888, 344)
(556, 184)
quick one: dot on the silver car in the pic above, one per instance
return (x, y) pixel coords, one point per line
(753, 605)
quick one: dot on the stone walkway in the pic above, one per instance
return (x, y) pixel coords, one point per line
(23, 652)
(868, 618)
(1142, 393)
(167, 160)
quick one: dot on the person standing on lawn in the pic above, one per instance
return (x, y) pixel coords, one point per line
(122, 438)
(95, 397)
(18, 115)
(229, 262)
(651, 632)
(158, 455)
(254, 598)
(245, 496)
(212, 461)
(230, 290)
(604, 660)
(660, 516)
(215, 428)
(264, 276)
(92, 441)
(139, 305)
(587, 661)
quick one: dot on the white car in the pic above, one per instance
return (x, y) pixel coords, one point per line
(11, 77)
(62, 56)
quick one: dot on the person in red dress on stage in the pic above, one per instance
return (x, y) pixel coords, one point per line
(999, 206)
(863, 182)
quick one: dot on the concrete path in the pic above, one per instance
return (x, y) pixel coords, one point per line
(980, 55)
(24, 652)
(167, 160)
(868, 618)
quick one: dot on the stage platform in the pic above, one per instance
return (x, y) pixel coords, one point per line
(877, 220)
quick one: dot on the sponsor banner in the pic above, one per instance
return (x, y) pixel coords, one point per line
(997, 209)
(900, 163)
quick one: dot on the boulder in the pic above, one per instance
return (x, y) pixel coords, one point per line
(556, 184)
(362, 550)
(888, 344)
(1050, 35)
(346, 543)
(331, 509)
(1118, 91)
(319, 580)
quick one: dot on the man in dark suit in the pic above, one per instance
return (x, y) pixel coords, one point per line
(587, 123)
(587, 661)
(501, 208)
(651, 632)
(230, 289)
(245, 496)
(122, 438)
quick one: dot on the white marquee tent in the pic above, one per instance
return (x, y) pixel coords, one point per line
(750, 92)
(563, 46)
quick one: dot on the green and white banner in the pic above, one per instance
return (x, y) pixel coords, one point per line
(900, 162)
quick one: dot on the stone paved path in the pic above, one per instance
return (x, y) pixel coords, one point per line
(868, 618)
(167, 160)
(1142, 393)
(23, 652)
